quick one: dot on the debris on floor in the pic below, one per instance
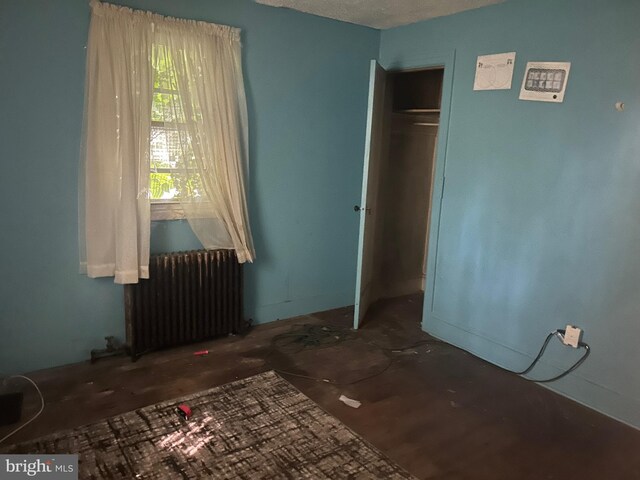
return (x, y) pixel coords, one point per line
(405, 352)
(184, 411)
(350, 401)
(201, 353)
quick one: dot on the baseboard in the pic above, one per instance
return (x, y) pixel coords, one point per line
(301, 306)
(574, 386)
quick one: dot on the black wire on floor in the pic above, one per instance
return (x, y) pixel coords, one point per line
(559, 334)
(303, 336)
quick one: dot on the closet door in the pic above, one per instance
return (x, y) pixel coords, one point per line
(370, 180)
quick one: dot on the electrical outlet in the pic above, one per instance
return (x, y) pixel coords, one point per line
(572, 336)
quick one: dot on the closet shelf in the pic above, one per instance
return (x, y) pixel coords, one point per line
(418, 110)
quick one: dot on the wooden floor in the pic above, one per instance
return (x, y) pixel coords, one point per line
(436, 410)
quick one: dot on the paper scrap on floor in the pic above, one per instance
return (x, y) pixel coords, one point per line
(350, 401)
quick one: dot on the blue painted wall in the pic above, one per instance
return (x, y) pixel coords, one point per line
(540, 222)
(306, 81)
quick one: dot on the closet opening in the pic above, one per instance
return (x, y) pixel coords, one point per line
(400, 185)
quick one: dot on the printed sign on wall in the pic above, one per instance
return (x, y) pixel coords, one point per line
(494, 72)
(545, 81)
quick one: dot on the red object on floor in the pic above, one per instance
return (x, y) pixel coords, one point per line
(184, 411)
(200, 353)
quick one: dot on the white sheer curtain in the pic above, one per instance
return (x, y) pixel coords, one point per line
(118, 96)
(203, 64)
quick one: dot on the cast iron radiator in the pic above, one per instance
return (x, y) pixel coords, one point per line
(189, 297)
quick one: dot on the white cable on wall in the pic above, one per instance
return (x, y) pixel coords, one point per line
(32, 418)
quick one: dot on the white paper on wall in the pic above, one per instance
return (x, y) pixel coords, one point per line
(494, 72)
(545, 81)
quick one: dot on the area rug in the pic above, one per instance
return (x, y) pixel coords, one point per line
(257, 428)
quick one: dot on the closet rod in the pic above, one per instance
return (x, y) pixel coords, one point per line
(423, 124)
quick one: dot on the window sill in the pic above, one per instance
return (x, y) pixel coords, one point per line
(166, 211)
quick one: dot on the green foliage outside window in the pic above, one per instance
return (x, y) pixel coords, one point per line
(174, 173)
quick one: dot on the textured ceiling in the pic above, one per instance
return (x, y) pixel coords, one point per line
(380, 13)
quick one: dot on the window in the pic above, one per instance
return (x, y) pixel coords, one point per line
(173, 174)
(177, 84)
